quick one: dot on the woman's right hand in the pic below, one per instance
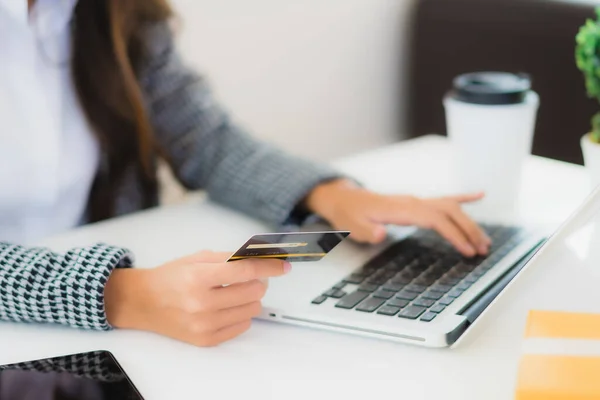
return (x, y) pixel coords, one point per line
(200, 299)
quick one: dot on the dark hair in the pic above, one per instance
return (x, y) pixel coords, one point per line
(108, 49)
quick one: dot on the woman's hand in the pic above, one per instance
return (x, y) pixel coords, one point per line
(364, 213)
(186, 299)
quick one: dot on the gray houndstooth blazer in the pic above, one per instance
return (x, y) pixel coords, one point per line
(206, 151)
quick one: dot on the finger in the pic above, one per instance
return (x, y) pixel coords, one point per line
(247, 270)
(367, 232)
(236, 315)
(227, 333)
(466, 198)
(445, 227)
(474, 233)
(206, 256)
(237, 294)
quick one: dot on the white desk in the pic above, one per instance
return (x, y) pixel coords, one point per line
(284, 362)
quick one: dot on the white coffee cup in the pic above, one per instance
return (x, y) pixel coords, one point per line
(490, 118)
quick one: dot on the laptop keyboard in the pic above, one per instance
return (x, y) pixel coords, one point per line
(418, 277)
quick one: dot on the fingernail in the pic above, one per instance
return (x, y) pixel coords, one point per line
(287, 267)
(483, 250)
(488, 240)
(468, 249)
(381, 233)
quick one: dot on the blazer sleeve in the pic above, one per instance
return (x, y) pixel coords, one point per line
(206, 150)
(38, 285)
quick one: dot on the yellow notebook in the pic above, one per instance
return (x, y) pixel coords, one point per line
(561, 358)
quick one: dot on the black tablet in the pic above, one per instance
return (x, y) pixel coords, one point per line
(87, 376)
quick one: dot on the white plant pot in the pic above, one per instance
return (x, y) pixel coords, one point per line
(591, 158)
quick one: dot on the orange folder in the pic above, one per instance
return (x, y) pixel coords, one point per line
(561, 358)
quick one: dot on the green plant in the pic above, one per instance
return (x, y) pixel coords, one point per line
(587, 56)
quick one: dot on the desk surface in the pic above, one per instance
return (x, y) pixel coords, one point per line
(278, 361)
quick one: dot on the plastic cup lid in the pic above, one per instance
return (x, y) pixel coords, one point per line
(494, 88)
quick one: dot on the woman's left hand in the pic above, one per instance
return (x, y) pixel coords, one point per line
(348, 207)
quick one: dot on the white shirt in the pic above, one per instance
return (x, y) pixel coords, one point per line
(48, 153)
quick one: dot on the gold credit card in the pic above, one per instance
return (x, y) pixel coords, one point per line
(291, 246)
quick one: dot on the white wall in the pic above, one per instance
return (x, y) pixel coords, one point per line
(318, 77)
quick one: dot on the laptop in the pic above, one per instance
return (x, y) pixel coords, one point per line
(414, 289)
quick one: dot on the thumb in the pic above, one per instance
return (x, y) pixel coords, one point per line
(249, 269)
(368, 232)
(467, 198)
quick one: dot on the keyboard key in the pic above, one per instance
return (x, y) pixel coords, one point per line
(438, 287)
(383, 294)
(400, 303)
(406, 295)
(351, 300)
(495, 258)
(411, 273)
(434, 272)
(478, 259)
(471, 279)
(463, 285)
(426, 280)
(340, 285)
(456, 275)
(319, 300)
(418, 267)
(368, 287)
(400, 261)
(449, 262)
(424, 302)
(413, 287)
(388, 310)
(438, 308)
(354, 279)
(449, 280)
(428, 258)
(370, 305)
(454, 293)
(377, 274)
(335, 293)
(463, 267)
(484, 266)
(401, 279)
(392, 287)
(471, 261)
(412, 312)
(396, 265)
(446, 301)
(478, 273)
(432, 295)
(388, 274)
(428, 316)
(438, 268)
(367, 270)
(380, 280)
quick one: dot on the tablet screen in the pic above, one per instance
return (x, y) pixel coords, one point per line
(86, 376)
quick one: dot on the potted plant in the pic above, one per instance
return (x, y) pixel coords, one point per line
(587, 55)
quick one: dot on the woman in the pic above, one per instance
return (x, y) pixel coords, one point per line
(93, 93)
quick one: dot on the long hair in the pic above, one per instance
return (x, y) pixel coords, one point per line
(108, 49)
